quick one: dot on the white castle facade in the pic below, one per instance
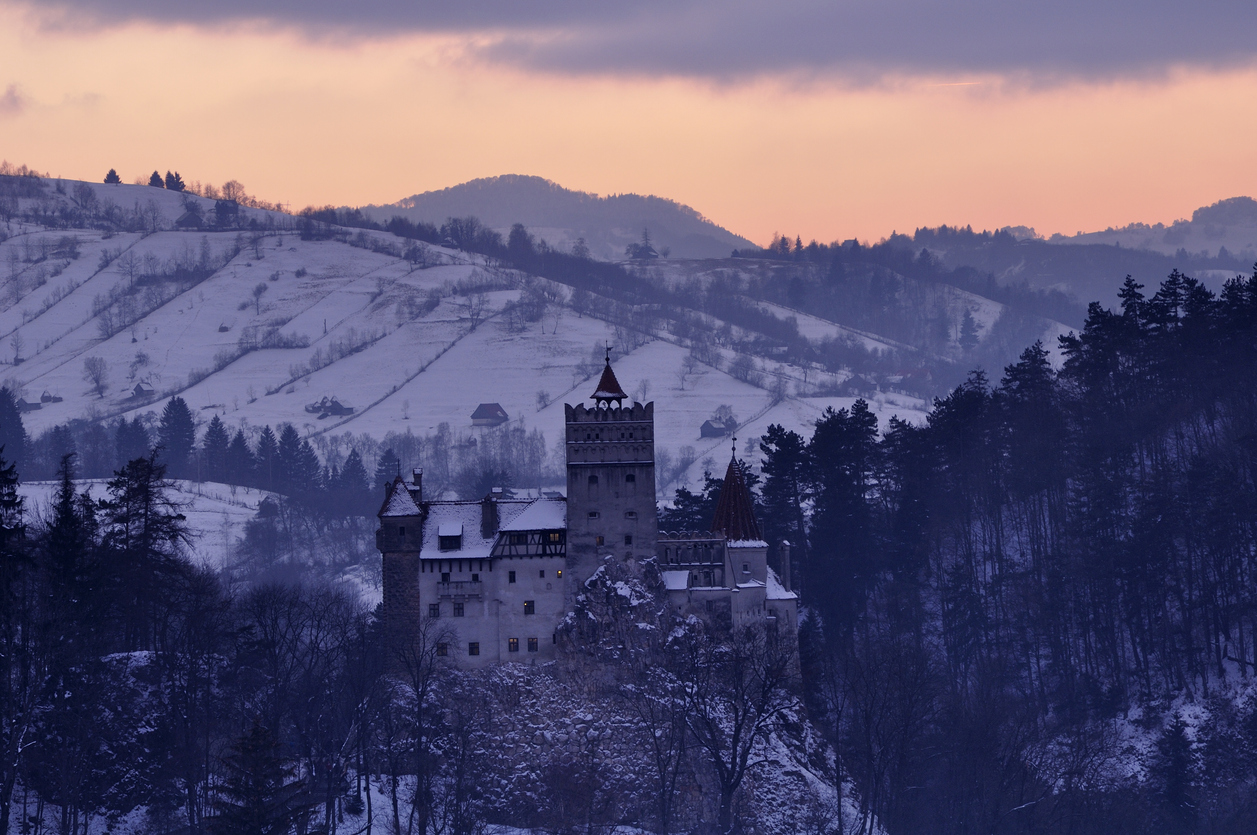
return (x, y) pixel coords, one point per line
(494, 578)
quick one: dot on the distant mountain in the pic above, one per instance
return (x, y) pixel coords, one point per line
(1229, 225)
(561, 216)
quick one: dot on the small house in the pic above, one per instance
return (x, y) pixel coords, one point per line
(329, 407)
(49, 397)
(717, 429)
(24, 406)
(141, 391)
(489, 414)
(189, 220)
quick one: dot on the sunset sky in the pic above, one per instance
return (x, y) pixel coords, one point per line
(826, 119)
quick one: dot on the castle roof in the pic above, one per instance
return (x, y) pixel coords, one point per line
(609, 387)
(399, 501)
(735, 514)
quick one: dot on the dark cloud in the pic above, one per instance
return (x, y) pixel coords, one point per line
(851, 39)
(11, 101)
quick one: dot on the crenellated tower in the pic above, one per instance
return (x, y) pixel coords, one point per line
(610, 481)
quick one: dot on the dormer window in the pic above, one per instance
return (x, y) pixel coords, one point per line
(450, 536)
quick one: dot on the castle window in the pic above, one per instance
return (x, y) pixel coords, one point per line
(434, 610)
(532, 644)
(530, 608)
(559, 574)
(450, 543)
(445, 576)
(746, 568)
(475, 578)
(442, 650)
(510, 577)
(458, 608)
(593, 479)
(628, 539)
(598, 540)
(554, 536)
(593, 514)
(512, 645)
(473, 648)
(631, 478)
(401, 532)
(543, 573)
(630, 514)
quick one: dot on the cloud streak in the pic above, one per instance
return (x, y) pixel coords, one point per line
(853, 40)
(12, 102)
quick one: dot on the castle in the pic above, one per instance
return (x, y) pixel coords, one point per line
(498, 575)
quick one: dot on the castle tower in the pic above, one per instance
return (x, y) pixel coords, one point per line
(610, 481)
(398, 539)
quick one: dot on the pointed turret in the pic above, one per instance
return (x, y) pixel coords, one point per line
(608, 387)
(735, 513)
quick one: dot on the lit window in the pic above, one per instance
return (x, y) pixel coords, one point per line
(442, 650)
(555, 536)
(510, 577)
(512, 645)
(458, 608)
(530, 607)
(559, 574)
(473, 648)
(434, 610)
(598, 540)
(532, 644)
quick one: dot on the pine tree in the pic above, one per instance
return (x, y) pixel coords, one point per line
(353, 476)
(259, 796)
(786, 473)
(968, 333)
(131, 441)
(174, 182)
(388, 468)
(17, 662)
(176, 434)
(112, 178)
(13, 440)
(215, 445)
(156, 180)
(286, 479)
(241, 468)
(268, 466)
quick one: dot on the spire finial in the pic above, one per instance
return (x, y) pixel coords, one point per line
(735, 446)
(608, 356)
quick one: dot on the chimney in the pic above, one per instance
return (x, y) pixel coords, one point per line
(416, 476)
(489, 514)
(783, 553)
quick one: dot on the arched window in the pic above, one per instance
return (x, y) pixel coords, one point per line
(593, 479)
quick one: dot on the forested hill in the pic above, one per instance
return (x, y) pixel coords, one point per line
(561, 216)
(1039, 609)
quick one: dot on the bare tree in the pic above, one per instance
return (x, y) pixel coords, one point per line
(96, 373)
(657, 698)
(257, 297)
(16, 343)
(737, 693)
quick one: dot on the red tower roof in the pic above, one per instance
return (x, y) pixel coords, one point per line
(609, 386)
(735, 514)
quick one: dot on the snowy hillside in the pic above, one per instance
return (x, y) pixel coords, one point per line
(258, 326)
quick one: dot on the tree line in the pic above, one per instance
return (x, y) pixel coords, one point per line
(1048, 566)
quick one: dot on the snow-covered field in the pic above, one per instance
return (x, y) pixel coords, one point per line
(353, 323)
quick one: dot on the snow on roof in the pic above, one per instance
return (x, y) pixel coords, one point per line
(464, 516)
(400, 502)
(449, 529)
(746, 543)
(609, 387)
(546, 514)
(776, 591)
(676, 580)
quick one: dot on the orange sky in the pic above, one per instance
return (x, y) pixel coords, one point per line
(375, 121)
